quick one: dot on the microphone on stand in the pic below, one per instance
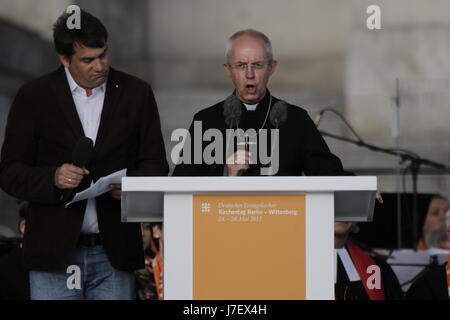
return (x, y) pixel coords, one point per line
(340, 115)
(319, 117)
(232, 112)
(279, 114)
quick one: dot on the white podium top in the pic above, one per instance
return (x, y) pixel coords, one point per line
(259, 184)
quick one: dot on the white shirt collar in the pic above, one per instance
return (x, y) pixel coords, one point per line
(75, 87)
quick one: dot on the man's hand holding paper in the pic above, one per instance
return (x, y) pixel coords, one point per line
(110, 183)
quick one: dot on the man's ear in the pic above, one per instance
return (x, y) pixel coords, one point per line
(273, 66)
(227, 68)
(22, 226)
(64, 60)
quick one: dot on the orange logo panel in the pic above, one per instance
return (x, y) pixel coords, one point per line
(249, 247)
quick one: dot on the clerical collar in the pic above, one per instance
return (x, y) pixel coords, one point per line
(250, 107)
(261, 106)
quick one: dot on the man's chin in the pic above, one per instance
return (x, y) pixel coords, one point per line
(98, 82)
(341, 228)
(250, 98)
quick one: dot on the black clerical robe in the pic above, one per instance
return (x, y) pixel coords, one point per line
(355, 290)
(302, 150)
(432, 285)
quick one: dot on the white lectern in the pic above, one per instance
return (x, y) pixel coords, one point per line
(248, 237)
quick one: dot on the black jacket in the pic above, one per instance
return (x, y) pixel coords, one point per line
(42, 129)
(346, 290)
(14, 279)
(302, 149)
(431, 285)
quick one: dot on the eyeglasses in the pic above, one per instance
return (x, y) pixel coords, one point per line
(244, 65)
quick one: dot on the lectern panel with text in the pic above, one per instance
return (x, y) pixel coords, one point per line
(248, 237)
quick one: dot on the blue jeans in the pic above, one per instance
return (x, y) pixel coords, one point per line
(88, 276)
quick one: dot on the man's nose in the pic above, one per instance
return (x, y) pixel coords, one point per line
(99, 66)
(249, 72)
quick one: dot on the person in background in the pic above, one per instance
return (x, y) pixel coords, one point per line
(14, 278)
(157, 262)
(434, 284)
(433, 232)
(354, 274)
(150, 279)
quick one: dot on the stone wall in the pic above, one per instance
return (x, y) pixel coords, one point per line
(327, 58)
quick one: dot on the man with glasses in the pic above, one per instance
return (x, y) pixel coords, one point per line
(293, 142)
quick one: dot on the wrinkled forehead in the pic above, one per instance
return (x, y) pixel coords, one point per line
(248, 48)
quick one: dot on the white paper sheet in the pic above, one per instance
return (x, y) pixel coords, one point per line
(99, 187)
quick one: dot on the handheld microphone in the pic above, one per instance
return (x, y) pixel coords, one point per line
(81, 157)
(82, 153)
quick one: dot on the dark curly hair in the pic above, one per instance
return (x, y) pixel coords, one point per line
(92, 34)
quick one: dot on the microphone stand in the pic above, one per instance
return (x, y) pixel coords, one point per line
(415, 162)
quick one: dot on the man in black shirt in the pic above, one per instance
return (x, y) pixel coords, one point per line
(271, 136)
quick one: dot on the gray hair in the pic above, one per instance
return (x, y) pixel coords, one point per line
(254, 34)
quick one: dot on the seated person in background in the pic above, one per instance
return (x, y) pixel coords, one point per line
(434, 284)
(145, 284)
(14, 279)
(157, 261)
(434, 229)
(149, 281)
(360, 276)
